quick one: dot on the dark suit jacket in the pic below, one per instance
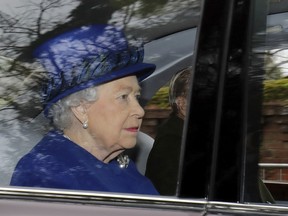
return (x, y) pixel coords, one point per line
(163, 161)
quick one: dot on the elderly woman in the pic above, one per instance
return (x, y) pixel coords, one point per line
(92, 98)
(163, 160)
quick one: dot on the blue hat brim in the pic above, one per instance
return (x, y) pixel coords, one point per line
(140, 70)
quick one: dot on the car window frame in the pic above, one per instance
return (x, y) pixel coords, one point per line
(245, 189)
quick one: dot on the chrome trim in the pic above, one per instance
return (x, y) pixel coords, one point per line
(96, 198)
(247, 208)
(142, 201)
(275, 182)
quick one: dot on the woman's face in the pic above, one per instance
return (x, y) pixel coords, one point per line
(115, 118)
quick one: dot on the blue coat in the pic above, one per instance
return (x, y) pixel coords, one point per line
(56, 162)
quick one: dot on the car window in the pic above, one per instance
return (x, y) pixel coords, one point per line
(167, 31)
(239, 77)
(273, 157)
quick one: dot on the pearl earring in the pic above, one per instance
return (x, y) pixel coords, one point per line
(85, 124)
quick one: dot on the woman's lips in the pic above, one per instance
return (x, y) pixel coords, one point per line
(132, 129)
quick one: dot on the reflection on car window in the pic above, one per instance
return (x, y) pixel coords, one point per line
(26, 25)
(273, 164)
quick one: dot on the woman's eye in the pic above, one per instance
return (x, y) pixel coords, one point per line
(124, 97)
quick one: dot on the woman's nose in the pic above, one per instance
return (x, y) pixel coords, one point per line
(138, 110)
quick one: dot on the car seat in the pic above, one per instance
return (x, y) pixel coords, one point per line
(139, 154)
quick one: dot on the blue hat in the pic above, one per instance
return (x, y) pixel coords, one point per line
(88, 56)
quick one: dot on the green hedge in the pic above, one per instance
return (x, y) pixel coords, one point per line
(273, 90)
(276, 90)
(160, 99)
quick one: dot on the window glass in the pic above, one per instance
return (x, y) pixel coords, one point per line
(229, 92)
(273, 150)
(167, 29)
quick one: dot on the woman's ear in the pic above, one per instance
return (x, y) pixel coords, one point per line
(80, 112)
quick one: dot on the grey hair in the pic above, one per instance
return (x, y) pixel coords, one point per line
(61, 112)
(179, 86)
